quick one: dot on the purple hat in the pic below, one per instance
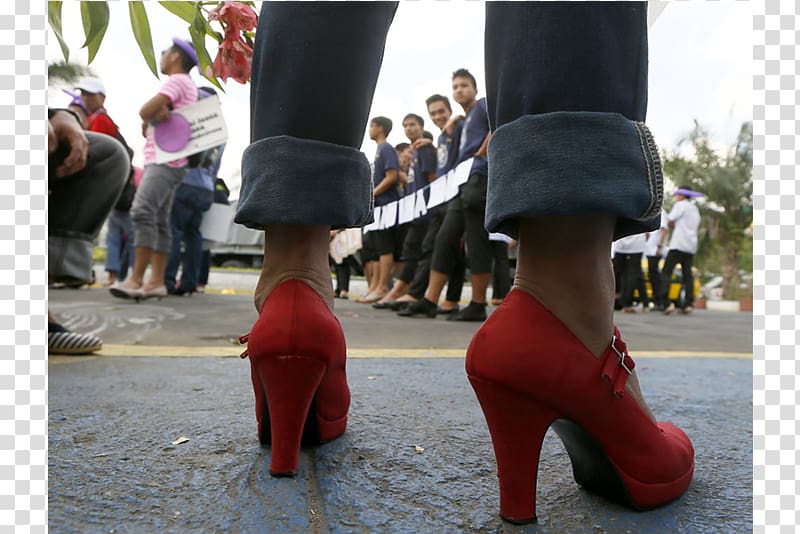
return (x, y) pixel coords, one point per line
(685, 191)
(76, 101)
(187, 47)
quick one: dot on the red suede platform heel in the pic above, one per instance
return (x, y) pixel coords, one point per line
(297, 365)
(530, 372)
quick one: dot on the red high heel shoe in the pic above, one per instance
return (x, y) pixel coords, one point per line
(530, 372)
(297, 362)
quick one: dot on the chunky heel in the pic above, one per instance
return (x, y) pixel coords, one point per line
(517, 425)
(290, 383)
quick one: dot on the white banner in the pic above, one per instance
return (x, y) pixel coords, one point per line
(207, 125)
(411, 207)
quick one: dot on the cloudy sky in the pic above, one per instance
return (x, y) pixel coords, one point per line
(700, 68)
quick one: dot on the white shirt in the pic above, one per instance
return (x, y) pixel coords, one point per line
(652, 240)
(686, 217)
(632, 244)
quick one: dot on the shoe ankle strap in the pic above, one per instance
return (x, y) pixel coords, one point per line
(617, 364)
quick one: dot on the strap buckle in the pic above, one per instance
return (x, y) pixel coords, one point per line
(621, 354)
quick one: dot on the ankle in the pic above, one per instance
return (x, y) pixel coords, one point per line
(299, 252)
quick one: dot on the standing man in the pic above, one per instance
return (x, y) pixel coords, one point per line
(450, 126)
(384, 178)
(465, 213)
(683, 220)
(628, 259)
(153, 201)
(421, 172)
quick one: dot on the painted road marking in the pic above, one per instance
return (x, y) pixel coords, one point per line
(174, 351)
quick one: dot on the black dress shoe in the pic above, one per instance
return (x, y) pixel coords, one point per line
(383, 305)
(473, 312)
(398, 305)
(420, 307)
(442, 311)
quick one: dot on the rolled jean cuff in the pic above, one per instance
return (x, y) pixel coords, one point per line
(286, 180)
(574, 164)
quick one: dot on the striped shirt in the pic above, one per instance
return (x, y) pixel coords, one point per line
(181, 91)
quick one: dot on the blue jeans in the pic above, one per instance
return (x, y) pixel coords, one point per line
(566, 87)
(187, 214)
(119, 243)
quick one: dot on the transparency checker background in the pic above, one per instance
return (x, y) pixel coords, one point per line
(23, 199)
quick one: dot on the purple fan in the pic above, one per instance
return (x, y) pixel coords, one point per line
(173, 134)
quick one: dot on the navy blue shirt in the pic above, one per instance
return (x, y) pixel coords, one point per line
(385, 159)
(447, 151)
(423, 161)
(476, 126)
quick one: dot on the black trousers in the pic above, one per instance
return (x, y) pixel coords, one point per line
(343, 274)
(632, 278)
(422, 275)
(465, 216)
(412, 248)
(501, 276)
(654, 275)
(675, 257)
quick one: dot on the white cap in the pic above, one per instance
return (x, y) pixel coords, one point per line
(91, 85)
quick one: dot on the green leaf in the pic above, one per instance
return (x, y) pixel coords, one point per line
(54, 18)
(141, 31)
(198, 40)
(95, 22)
(188, 11)
(184, 10)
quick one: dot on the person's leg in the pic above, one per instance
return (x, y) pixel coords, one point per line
(571, 168)
(455, 284)
(640, 285)
(205, 268)
(113, 247)
(688, 279)
(666, 279)
(630, 277)
(201, 202)
(654, 275)
(419, 284)
(445, 249)
(179, 216)
(501, 273)
(126, 264)
(154, 191)
(412, 250)
(171, 178)
(302, 174)
(301, 145)
(79, 205)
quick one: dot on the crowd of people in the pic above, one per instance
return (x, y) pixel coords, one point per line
(155, 218)
(433, 251)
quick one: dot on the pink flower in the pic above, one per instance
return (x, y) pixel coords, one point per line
(235, 55)
(236, 16)
(233, 60)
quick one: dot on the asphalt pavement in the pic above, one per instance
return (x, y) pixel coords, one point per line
(157, 432)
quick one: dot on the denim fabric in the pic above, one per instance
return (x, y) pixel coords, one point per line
(304, 164)
(187, 214)
(574, 163)
(302, 181)
(577, 71)
(119, 242)
(566, 109)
